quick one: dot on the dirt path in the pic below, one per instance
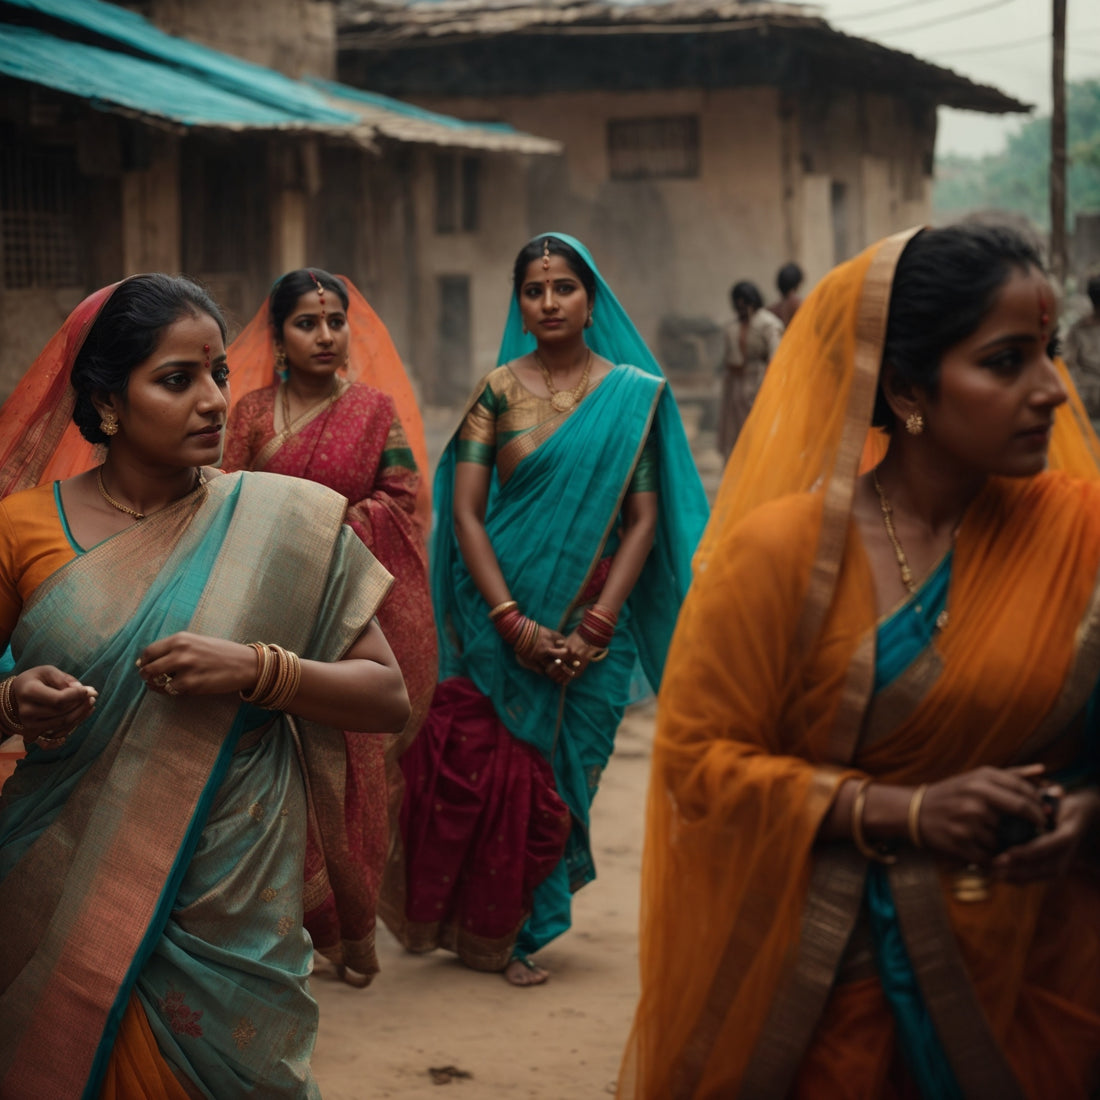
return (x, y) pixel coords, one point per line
(560, 1041)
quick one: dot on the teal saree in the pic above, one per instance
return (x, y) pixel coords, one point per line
(159, 852)
(551, 520)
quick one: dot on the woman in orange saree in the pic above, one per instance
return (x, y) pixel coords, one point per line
(344, 416)
(152, 839)
(834, 904)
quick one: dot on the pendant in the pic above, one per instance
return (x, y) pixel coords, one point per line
(563, 400)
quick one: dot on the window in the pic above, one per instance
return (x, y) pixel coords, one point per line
(453, 354)
(838, 209)
(654, 148)
(38, 192)
(457, 184)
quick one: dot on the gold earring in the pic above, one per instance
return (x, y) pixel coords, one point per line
(280, 360)
(914, 423)
(108, 424)
(588, 322)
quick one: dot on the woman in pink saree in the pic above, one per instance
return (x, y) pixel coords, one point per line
(321, 394)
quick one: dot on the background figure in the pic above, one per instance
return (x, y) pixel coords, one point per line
(871, 864)
(152, 840)
(750, 343)
(319, 424)
(788, 280)
(1083, 352)
(569, 506)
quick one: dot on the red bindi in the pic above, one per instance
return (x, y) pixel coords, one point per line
(206, 353)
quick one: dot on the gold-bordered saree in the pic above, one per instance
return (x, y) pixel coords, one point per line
(165, 839)
(755, 981)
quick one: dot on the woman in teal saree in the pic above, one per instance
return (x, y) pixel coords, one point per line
(152, 841)
(568, 506)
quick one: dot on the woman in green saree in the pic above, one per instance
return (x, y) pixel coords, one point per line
(568, 508)
(178, 748)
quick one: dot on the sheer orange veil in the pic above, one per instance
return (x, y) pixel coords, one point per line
(758, 687)
(372, 359)
(38, 440)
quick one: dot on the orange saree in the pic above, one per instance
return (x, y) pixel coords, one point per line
(757, 975)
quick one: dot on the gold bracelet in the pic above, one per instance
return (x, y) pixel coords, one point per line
(259, 688)
(501, 608)
(914, 815)
(9, 716)
(858, 840)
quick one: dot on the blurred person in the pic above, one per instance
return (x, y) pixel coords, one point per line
(788, 280)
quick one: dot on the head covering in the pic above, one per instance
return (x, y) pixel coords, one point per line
(372, 359)
(683, 501)
(38, 440)
(768, 686)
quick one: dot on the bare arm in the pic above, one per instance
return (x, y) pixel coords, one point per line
(363, 691)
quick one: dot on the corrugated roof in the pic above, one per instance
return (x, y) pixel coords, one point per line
(403, 122)
(378, 28)
(168, 80)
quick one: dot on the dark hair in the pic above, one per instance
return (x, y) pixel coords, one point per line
(534, 250)
(286, 292)
(789, 278)
(945, 283)
(746, 292)
(1092, 288)
(126, 332)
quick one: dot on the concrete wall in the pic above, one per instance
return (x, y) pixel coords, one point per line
(297, 37)
(776, 172)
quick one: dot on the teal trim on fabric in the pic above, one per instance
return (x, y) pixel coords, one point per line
(77, 548)
(909, 630)
(921, 1046)
(647, 475)
(472, 450)
(164, 905)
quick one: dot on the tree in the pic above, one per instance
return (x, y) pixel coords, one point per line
(1018, 178)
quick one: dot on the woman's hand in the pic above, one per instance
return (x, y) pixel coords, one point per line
(579, 654)
(547, 655)
(959, 815)
(50, 702)
(194, 664)
(1052, 853)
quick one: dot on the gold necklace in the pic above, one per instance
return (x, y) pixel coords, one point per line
(899, 553)
(338, 389)
(565, 400)
(122, 507)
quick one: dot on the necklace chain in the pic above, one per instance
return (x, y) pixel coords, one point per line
(338, 389)
(122, 507)
(899, 553)
(565, 400)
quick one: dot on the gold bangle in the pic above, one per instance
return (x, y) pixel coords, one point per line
(858, 840)
(263, 661)
(501, 608)
(914, 815)
(9, 716)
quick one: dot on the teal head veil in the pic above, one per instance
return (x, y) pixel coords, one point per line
(682, 500)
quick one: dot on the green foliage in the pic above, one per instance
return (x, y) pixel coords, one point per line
(1018, 178)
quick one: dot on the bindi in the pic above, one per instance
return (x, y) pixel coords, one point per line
(320, 292)
(1044, 313)
(206, 355)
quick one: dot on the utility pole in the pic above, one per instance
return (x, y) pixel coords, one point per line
(1058, 145)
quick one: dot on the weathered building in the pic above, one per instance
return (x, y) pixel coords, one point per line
(705, 140)
(124, 148)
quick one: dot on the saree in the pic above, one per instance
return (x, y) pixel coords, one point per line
(151, 867)
(554, 500)
(758, 951)
(358, 446)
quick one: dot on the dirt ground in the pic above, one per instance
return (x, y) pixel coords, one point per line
(559, 1041)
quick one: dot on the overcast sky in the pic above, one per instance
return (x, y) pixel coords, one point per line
(1005, 43)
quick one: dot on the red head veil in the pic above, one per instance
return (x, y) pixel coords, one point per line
(38, 439)
(372, 359)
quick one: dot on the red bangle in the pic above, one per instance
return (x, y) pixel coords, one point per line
(597, 627)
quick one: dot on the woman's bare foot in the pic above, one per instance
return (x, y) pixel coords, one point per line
(522, 971)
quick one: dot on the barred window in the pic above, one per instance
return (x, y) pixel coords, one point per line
(654, 148)
(38, 194)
